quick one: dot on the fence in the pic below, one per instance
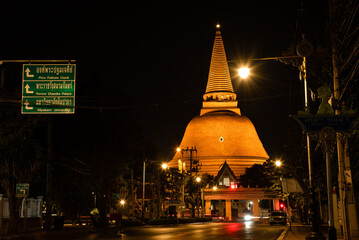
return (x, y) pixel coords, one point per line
(30, 214)
(30, 207)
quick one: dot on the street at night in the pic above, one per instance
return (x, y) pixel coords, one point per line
(177, 120)
(206, 231)
(198, 231)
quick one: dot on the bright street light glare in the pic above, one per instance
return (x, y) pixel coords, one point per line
(278, 163)
(243, 72)
(122, 202)
(214, 188)
(178, 149)
(198, 179)
(164, 165)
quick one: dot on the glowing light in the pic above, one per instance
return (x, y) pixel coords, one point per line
(233, 186)
(218, 26)
(122, 202)
(243, 72)
(178, 149)
(278, 163)
(214, 188)
(248, 217)
(248, 224)
(198, 179)
(164, 165)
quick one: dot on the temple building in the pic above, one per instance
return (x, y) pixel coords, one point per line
(222, 142)
(220, 133)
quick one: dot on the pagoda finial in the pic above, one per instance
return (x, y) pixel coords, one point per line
(219, 79)
(219, 93)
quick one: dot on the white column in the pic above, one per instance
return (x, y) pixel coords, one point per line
(207, 207)
(229, 209)
(255, 210)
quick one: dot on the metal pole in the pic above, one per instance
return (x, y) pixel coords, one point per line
(315, 233)
(332, 233)
(306, 108)
(143, 189)
(49, 174)
(202, 198)
(132, 198)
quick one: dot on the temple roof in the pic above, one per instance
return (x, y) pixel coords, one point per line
(222, 136)
(225, 169)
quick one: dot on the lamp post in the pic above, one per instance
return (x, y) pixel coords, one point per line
(243, 72)
(164, 166)
(304, 49)
(198, 180)
(278, 163)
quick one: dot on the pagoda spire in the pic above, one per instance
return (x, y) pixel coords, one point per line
(219, 93)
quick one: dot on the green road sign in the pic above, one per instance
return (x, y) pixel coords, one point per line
(48, 72)
(48, 88)
(22, 190)
(47, 105)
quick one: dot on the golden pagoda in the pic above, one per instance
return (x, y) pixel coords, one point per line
(220, 133)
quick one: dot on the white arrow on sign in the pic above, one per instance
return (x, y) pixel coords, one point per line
(28, 73)
(27, 87)
(26, 103)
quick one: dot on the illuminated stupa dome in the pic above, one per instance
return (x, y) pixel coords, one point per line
(220, 133)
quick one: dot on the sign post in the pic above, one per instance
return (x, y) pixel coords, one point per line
(22, 190)
(48, 88)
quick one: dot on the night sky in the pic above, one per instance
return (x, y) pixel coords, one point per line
(153, 57)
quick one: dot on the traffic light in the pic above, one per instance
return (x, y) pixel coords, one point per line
(282, 205)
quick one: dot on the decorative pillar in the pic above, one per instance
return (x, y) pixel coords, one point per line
(255, 209)
(228, 209)
(207, 207)
(276, 204)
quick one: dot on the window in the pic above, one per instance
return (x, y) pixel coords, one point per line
(226, 181)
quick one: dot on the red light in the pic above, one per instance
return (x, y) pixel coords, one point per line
(232, 186)
(281, 205)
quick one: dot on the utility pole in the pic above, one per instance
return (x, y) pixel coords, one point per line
(304, 49)
(132, 198)
(143, 190)
(49, 174)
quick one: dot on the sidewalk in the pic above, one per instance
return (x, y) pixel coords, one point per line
(299, 232)
(42, 234)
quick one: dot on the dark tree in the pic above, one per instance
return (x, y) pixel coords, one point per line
(21, 155)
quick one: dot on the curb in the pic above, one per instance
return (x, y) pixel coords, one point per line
(283, 234)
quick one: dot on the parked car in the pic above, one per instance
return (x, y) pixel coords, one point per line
(278, 217)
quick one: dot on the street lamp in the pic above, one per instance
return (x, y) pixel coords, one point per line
(198, 179)
(122, 202)
(164, 166)
(243, 72)
(278, 163)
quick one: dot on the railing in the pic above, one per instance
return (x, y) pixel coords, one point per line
(30, 207)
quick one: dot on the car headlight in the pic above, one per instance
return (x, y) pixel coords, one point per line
(248, 217)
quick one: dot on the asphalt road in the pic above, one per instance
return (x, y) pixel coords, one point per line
(205, 231)
(196, 231)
